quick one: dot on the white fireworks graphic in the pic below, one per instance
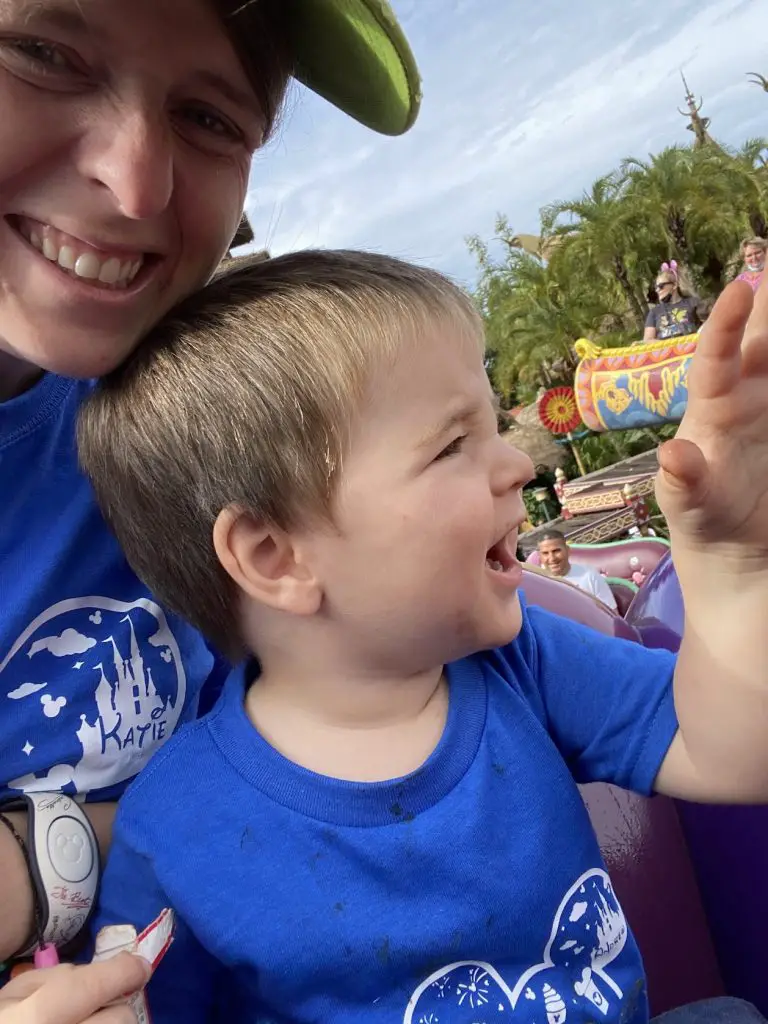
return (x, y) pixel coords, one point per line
(474, 991)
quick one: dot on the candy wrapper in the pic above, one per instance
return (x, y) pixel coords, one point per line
(151, 944)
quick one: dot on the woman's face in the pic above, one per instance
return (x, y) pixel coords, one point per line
(666, 289)
(754, 258)
(126, 132)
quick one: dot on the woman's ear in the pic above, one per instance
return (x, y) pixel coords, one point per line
(265, 563)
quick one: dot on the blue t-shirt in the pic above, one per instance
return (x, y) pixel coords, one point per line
(94, 675)
(472, 890)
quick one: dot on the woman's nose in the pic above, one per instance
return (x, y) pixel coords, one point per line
(133, 158)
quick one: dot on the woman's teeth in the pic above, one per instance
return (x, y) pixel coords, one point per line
(496, 566)
(107, 270)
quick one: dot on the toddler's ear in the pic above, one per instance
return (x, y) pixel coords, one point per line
(265, 563)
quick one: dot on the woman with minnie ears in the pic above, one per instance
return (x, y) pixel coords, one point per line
(677, 313)
(126, 136)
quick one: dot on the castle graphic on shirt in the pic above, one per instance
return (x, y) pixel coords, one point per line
(573, 981)
(90, 689)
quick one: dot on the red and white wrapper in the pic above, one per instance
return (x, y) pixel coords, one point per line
(151, 944)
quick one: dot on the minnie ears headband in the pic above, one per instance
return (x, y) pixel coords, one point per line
(670, 268)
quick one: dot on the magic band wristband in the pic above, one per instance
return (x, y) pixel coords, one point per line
(63, 862)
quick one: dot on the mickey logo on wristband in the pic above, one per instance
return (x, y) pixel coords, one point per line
(62, 857)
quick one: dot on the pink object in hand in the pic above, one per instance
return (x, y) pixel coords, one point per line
(46, 956)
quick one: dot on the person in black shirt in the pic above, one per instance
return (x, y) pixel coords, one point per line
(677, 313)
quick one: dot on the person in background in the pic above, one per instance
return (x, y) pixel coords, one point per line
(677, 312)
(753, 252)
(555, 558)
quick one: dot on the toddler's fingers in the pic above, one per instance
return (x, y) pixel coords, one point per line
(754, 346)
(683, 477)
(716, 366)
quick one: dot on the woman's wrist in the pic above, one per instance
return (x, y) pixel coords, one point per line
(63, 875)
(16, 893)
(16, 898)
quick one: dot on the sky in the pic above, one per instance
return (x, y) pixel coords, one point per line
(524, 104)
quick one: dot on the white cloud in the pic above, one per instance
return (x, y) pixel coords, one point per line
(68, 642)
(25, 690)
(523, 104)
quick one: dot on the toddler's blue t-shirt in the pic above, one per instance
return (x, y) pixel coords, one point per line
(471, 891)
(94, 674)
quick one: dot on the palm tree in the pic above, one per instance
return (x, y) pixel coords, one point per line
(586, 270)
(691, 206)
(760, 80)
(748, 177)
(660, 191)
(532, 318)
(600, 228)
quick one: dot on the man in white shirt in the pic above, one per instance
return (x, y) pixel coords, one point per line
(554, 556)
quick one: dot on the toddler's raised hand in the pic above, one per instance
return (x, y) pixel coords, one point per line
(713, 482)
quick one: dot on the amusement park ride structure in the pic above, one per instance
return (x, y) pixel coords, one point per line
(638, 386)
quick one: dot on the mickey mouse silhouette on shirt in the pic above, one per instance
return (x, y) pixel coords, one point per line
(588, 934)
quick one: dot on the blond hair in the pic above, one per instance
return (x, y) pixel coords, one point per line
(679, 278)
(244, 396)
(756, 243)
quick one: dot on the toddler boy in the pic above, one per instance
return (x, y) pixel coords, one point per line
(380, 820)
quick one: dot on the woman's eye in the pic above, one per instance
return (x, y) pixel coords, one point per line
(45, 56)
(453, 448)
(215, 124)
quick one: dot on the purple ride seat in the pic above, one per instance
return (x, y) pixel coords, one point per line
(622, 588)
(624, 594)
(728, 845)
(643, 846)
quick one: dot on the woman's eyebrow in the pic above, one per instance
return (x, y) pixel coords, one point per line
(70, 18)
(233, 93)
(66, 16)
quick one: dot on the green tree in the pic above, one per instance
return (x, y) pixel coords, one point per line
(588, 271)
(746, 171)
(532, 316)
(599, 229)
(691, 208)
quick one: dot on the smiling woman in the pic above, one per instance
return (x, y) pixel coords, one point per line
(125, 167)
(126, 135)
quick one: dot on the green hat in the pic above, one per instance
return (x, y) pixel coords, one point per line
(353, 53)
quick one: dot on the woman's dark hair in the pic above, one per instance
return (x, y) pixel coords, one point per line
(259, 33)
